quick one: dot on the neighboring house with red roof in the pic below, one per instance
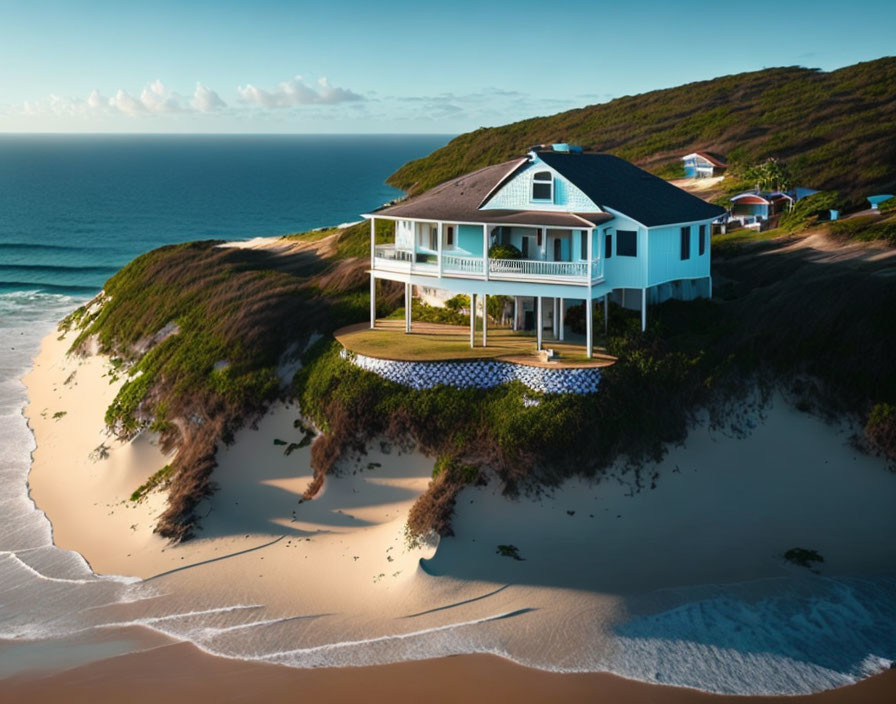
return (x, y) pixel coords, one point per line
(703, 165)
(755, 208)
(586, 227)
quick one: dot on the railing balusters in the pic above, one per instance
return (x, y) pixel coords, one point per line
(473, 265)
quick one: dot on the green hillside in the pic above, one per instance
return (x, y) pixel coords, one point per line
(835, 130)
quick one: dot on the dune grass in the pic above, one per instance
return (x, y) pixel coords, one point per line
(833, 129)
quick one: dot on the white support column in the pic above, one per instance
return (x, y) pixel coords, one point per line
(372, 301)
(485, 251)
(372, 243)
(606, 313)
(408, 307)
(538, 323)
(472, 320)
(589, 302)
(589, 325)
(562, 316)
(643, 309)
(485, 320)
(439, 250)
(516, 308)
(590, 252)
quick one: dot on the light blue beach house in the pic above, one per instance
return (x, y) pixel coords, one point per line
(703, 165)
(584, 226)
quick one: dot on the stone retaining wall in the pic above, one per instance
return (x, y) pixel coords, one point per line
(479, 374)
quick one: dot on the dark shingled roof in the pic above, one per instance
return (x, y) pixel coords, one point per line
(614, 183)
(458, 200)
(607, 180)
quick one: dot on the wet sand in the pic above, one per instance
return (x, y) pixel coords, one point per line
(181, 673)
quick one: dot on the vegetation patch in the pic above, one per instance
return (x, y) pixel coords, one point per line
(511, 551)
(834, 129)
(158, 480)
(866, 229)
(244, 305)
(804, 558)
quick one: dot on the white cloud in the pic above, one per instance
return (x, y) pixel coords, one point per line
(206, 100)
(154, 99)
(297, 92)
(95, 101)
(157, 98)
(126, 103)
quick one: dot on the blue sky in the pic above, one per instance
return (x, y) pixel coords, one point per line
(337, 66)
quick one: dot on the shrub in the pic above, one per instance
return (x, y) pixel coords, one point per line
(881, 429)
(504, 251)
(807, 211)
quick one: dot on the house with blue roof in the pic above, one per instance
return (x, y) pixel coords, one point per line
(557, 227)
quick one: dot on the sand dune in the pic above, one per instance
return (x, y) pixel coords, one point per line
(331, 580)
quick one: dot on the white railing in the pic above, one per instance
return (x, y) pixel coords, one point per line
(391, 253)
(389, 258)
(461, 265)
(532, 267)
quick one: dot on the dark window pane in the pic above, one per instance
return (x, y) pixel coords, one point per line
(627, 243)
(608, 245)
(702, 240)
(542, 176)
(525, 248)
(541, 191)
(686, 243)
(584, 254)
(538, 239)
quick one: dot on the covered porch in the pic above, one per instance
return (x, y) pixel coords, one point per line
(552, 329)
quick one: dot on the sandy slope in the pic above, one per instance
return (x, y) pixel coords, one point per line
(721, 509)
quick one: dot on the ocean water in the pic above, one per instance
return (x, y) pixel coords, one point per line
(75, 209)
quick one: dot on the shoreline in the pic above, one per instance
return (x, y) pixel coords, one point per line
(180, 673)
(236, 538)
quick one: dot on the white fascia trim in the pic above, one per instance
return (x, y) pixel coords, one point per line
(487, 224)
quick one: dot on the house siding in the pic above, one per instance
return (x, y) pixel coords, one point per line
(515, 195)
(623, 272)
(469, 240)
(664, 261)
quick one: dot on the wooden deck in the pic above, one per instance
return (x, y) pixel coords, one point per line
(429, 342)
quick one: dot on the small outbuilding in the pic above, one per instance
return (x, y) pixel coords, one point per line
(703, 165)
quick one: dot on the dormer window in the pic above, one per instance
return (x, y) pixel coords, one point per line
(543, 186)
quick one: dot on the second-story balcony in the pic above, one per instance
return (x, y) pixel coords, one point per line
(392, 258)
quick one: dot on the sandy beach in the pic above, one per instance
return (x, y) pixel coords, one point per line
(331, 582)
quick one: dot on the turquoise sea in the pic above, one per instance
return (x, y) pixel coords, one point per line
(75, 209)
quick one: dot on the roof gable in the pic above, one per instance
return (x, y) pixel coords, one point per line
(515, 191)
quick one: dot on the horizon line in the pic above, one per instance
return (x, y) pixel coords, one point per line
(231, 134)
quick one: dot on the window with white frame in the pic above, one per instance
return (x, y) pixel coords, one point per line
(543, 186)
